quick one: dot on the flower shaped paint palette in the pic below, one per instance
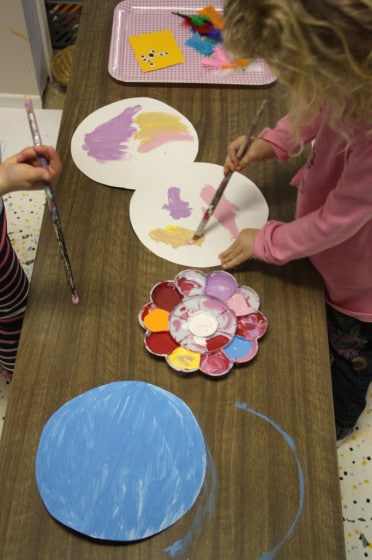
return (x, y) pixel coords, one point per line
(203, 322)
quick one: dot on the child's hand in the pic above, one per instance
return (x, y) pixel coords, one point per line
(241, 250)
(258, 150)
(23, 172)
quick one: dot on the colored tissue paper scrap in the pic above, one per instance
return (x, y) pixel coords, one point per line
(206, 28)
(156, 50)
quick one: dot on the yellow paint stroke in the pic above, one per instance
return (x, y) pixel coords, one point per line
(157, 128)
(175, 236)
(152, 120)
(18, 34)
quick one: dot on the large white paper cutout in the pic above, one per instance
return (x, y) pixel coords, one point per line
(113, 144)
(169, 206)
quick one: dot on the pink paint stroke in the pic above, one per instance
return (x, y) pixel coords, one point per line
(225, 211)
(177, 207)
(163, 138)
(109, 141)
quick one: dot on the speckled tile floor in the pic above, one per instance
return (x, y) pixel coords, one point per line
(354, 453)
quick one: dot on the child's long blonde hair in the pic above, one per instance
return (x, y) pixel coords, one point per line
(321, 49)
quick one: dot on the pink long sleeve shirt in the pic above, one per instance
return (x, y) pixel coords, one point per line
(333, 225)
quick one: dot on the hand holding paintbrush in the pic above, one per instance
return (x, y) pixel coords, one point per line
(219, 192)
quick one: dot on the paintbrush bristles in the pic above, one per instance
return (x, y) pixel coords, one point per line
(28, 104)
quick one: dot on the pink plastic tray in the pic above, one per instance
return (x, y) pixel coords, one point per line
(133, 17)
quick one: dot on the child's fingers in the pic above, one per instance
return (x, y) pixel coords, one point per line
(26, 155)
(228, 257)
(233, 148)
(231, 162)
(31, 153)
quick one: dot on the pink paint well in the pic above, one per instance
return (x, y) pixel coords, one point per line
(216, 363)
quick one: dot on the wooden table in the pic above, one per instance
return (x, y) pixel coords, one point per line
(67, 349)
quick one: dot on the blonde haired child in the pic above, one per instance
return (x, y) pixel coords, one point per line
(322, 51)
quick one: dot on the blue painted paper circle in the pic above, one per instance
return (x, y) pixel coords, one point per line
(121, 462)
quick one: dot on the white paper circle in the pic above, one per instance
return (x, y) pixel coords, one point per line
(115, 143)
(177, 197)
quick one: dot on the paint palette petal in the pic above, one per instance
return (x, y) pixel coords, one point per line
(100, 465)
(166, 233)
(239, 305)
(241, 350)
(157, 320)
(160, 344)
(165, 295)
(184, 360)
(221, 285)
(252, 326)
(250, 295)
(211, 324)
(215, 364)
(190, 282)
(116, 142)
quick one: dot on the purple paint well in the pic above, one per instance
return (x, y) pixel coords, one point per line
(109, 141)
(221, 285)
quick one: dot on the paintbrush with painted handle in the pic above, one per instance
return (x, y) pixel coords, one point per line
(219, 192)
(51, 201)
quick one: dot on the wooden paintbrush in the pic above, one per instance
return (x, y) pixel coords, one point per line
(219, 192)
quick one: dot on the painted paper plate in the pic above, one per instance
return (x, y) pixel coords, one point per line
(121, 462)
(166, 221)
(202, 322)
(113, 144)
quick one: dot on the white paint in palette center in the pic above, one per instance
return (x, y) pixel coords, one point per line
(202, 324)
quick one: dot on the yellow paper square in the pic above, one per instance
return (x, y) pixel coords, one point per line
(156, 50)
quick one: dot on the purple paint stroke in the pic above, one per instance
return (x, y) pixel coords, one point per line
(177, 208)
(109, 141)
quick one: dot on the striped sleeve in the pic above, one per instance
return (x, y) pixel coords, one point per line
(14, 287)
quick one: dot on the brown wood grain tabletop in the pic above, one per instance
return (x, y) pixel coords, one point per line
(272, 470)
